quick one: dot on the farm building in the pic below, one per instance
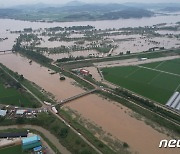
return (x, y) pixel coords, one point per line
(20, 112)
(31, 142)
(13, 135)
(174, 101)
(84, 72)
(3, 113)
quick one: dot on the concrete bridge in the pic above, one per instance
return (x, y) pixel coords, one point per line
(75, 97)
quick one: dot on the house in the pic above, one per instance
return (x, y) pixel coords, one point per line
(20, 112)
(13, 134)
(3, 113)
(84, 72)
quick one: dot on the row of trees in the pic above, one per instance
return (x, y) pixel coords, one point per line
(148, 104)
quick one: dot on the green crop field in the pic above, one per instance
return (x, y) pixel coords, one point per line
(156, 81)
(12, 150)
(172, 66)
(11, 96)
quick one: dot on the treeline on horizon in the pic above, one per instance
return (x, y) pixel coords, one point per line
(80, 12)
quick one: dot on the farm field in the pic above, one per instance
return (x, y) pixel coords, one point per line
(156, 81)
(12, 150)
(172, 66)
(11, 96)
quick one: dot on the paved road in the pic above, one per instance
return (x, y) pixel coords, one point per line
(134, 61)
(138, 53)
(46, 133)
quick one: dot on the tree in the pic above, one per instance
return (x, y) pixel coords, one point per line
(21, 77)
(128, 52)
(64, 132)
(20, 120)
(18, 85)
(125, 145)
(62, 78)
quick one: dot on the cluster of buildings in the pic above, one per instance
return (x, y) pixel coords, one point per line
(28, 141)
(174, 101)
(15, 112)
(33, 142)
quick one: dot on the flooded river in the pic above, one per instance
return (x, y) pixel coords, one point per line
(105, 114)
(41, 76)
(108, 115)
(115, 119)
(120, 23)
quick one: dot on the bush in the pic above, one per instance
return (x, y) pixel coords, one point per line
(125, 145)
(63, 133)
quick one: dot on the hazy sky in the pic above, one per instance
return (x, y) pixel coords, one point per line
(4, 3)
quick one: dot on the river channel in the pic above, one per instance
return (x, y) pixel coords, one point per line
(111, 116)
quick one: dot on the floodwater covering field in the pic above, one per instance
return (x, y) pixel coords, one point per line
(112, 117)
(137, 44)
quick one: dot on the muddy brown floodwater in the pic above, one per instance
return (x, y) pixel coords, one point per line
(108, 115)
(117, 121)
(41, 76)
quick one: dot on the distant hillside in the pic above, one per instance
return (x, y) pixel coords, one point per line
(9, 13)
(152, 5)
(128, 13)
(86, 7)
(171, 9)
(74, 11)
(75, 3)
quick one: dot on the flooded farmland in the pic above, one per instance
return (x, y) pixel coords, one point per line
(121, 42)
(84, 53)
(112, 117)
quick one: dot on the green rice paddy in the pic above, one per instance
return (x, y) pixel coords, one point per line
(12, 150)
(12, 96)
(156, 81)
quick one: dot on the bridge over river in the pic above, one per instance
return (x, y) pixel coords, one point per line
(76, 97)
